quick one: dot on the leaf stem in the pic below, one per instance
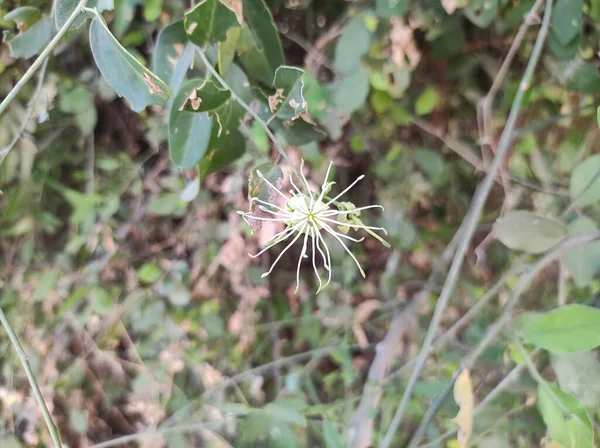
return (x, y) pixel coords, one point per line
(32, 381)
(42, 57)
(470, 224)
(247, 108)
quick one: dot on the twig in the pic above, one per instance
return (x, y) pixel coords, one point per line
(32, 381)
(247, 108)
(361, 427)
(462, 150)
(42, 57)
(495, 329)
(470, 224)
(120, 441)
(28, 112)
(484, 107)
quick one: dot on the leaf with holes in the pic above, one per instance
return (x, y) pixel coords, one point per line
(207, 96)
(523, 230)
(123, 72)
(259, 46)
(189, 132)
(288, 101)
(571, 328)
(482, 12)
(209, 21)
(35, 32)
(585, 182)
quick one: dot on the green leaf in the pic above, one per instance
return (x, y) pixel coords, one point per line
(571, 328)
(352, 45)
(209, 21)
(391, 8)
(567, 422)
(583, 261)
(427, 101)
(77, 100)
(152, 10)
(288, 101)
(563, 52)
(284, 414)
(522, 230)
(172, 55)
(123, 72)
(585, 79)
(565, 24)
(352, 91)
(148, 273)
(31, 41)
(298, 132)
(226, 50)
(482, 12)
(189, 132)
(24, 17)
(64, 8)
(585, 182)
(577, 374)
(259, 46)
(332, 437)
(207, 96)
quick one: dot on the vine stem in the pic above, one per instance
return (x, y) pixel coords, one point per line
(32, 381)
(470, 224)
(247, 108)
(42, 57)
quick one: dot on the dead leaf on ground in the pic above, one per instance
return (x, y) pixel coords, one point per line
(362, 313)
(463, 395)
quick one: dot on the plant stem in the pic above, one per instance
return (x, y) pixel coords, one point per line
(470, 225)
(32, 381)
(4, 151)
(42, 57)
(247, 108)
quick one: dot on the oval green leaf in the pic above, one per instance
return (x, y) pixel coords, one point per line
(585, 182)
(571, 328)
(123, 72)
(583, 261)
(172, 55)
(259, 46)
(209, 21)
(189, 132)
(523, 230)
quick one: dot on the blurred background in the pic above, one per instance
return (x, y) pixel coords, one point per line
(133, 295)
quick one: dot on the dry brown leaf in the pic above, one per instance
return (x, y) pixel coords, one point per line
(463, 395)
(403, 44)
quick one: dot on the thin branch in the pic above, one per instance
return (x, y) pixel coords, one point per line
(42, 57)
(494, 330)
(120, 441)
(470, 224)
(32, 381)
(247, 108)
(361, 427)
(28, 112)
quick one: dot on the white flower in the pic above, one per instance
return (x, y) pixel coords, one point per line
(308, 215)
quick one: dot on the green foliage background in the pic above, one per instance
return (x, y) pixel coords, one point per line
(124, 268)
